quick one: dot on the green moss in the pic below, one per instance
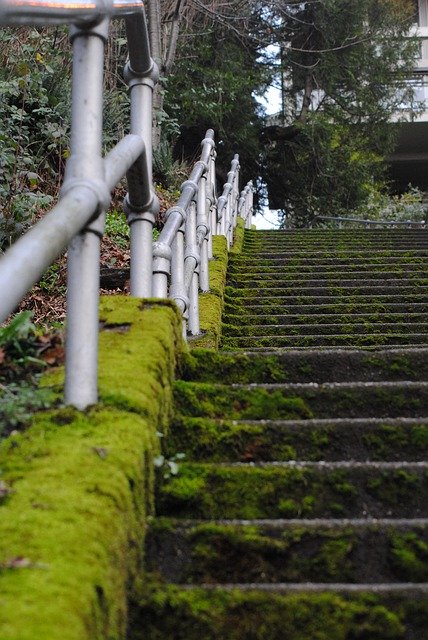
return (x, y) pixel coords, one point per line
(81, 487)
(238, 237)
(409, 556)
(258, 402)
(218, 401)
(170, 612)
(251, 492)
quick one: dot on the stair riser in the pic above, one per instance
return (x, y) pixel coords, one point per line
(195, 614)
(336, 283)
(270, 258)
(329, 262)
(231, 441)
(246, 322)
(310, 366)
(248, 492)
(282, 403)
(344, 292)
(346, 328)
(296, 275)
(222, 553)
(342, 308)
(313, 341)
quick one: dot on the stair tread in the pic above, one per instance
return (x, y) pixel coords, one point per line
(315, 586)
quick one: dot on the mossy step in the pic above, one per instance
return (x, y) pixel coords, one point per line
(279, 551)
(375, 327)
(335, 247)
(321, 348)
(420, 280)
(306, 304)
(340, 289)
(302, 401)
(356, 235)
(275, 261)
(285, 490)
(342, 307)
(209, 440)
(296, 275)
(244, 270)
(331, 254)
(173, 612)
(247, 320)
(331, 365)
(249, 343)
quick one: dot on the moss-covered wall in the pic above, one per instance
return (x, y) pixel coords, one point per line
(211, 304)
(76, 488)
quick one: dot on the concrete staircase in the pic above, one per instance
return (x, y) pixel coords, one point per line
(301, 509)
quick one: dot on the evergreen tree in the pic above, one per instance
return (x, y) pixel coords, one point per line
(344, 67)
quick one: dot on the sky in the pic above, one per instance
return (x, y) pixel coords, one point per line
(271, 102)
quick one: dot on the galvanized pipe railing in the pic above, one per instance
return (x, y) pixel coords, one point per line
(184, 247)
(177, 264)
(78, 218)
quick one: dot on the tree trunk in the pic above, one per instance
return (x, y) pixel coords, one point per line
(307, 98)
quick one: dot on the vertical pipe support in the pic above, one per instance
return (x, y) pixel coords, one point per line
(178, 289)
(85, 167)
(203, 233)
(191, 268)
(142, 216)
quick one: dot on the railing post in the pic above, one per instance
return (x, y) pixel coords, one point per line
(178, 288)
(85, 167)
(211, 204)
(141, 74)
(202, 233)
(191, 269)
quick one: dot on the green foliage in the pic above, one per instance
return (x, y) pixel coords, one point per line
(167, 171)
(212, 86)
(117, 228)
(17, 338)
(19, 401)
(34, 74)
(345, 67)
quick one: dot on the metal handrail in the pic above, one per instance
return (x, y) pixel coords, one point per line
(174, 266)
(368, 223)
(184, 246)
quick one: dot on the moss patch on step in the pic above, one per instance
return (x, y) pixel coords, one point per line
(252, 492)
(171, 612)
(76, 487)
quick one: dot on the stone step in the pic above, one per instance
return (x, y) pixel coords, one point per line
(298, 551)
(322, 290)
(352, 284)
(247, 321)
(295, 490)
(378, 305)
(286, 274)
(330, 256)
(333, 241)
(302, 400)
(244, 261)
(251, 343)
(209, 440)
(279, 612)
(332, 365)
(339, 235)
(346, 328)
